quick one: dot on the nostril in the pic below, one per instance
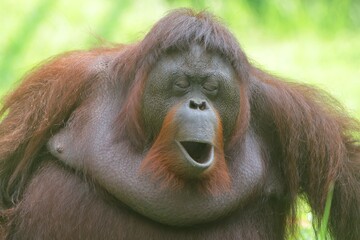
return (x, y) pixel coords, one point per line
(193, 104)
(201, 105)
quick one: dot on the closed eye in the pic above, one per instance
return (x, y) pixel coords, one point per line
(182, 83)
(211, 85)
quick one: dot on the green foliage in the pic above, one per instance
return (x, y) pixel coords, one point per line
(325, 219)
(26, 31)
(323, 16)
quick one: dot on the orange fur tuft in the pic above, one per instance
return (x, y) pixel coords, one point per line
(161, 162)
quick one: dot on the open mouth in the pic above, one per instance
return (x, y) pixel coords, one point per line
(199, 152)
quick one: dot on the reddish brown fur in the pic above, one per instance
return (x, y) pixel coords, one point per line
(39, 106)
(326, 153)
(161, 164)
(243, 120)
(309, 134)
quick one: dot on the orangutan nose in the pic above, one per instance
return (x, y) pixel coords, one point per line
(198, 104)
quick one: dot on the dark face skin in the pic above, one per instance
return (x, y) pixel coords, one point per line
(191, 75)
(199, 87)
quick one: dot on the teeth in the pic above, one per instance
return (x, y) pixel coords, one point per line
(199, 152)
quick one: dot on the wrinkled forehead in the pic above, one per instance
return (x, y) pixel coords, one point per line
(197, 54)
(194, 59)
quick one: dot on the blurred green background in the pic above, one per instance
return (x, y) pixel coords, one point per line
(316, 42)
